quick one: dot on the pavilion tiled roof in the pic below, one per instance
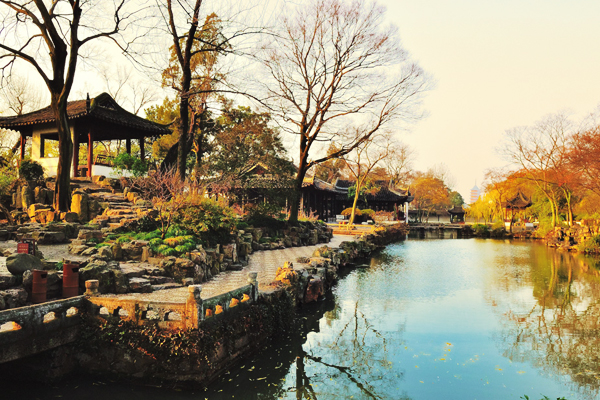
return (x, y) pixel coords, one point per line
(519, 202)
(387, 191)
(102, 107)
(456, 210)
(319, 184)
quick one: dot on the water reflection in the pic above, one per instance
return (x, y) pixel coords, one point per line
(425, 319)
(355, 357)
(560, 330)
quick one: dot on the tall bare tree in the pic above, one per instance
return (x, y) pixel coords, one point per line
(363, 159)
(541, 152)
(332, 64)
(49, 37)
(200, 38)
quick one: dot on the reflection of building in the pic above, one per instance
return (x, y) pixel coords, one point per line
(475, 193)
(98, 119)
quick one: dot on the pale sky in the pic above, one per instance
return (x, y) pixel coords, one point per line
(498, 64)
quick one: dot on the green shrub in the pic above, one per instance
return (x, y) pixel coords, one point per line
(148, 235)
(162, 249)
(368, 212)
(7, 178)
(207, 220)
(241, 225)
(31, 170)
(543, 229)
(480, 229)
(123, 239)
(590, 245)
(127, 162)
(348, 212)
(170, 252)
(146, 224)
(154, 243)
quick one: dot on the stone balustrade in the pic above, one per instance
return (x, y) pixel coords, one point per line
(29, 330)
(170, 315)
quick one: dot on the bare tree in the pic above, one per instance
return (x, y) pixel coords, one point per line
(541, 152)
(200, 38)
(49, 37)
(122, 87)
(399, 163)
(332, 64)
(362, 159)
(20, 96)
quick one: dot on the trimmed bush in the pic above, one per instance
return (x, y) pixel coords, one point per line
(31, 170)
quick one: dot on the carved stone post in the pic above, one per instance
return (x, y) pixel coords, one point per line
(194, 305)
(91, 287)
(252, 279)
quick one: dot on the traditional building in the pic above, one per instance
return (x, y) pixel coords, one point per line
(90, 120)
(327, 200)
(457, 215)
(514, 206)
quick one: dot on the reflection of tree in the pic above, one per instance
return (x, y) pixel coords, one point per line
(355, 357)
(561, 332)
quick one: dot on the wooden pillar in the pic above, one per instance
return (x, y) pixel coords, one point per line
(90, 155)
(142, 149)
(75, 154)
(128, 145)
(23, 140)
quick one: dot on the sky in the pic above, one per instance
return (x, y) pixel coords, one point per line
(497, 64)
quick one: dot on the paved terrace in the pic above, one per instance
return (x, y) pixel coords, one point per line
(264, 262)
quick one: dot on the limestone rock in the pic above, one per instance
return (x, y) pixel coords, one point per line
(34, 208)
(140, 285)
(105, 252)
(110, 278)
(117, 251)
(89, 251)
(286, 274)
(18, 263)
(70, 217)
(78, 249)
(7, 280)
(13, 298)
(79, 205)
(46, 237)
(86, 234)
(314, 290)
(27, 197)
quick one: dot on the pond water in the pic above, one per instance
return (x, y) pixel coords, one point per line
(428, 319)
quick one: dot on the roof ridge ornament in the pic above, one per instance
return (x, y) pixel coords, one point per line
(87, 103)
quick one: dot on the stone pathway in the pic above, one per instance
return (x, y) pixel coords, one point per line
(265, 263)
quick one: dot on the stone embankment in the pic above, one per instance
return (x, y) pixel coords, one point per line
(127, 341)
(579, 237)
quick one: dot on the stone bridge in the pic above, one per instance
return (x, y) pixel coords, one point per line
(26, 331)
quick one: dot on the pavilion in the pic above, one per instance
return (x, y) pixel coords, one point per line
(457, 215)
(96, 120)
(516, 204)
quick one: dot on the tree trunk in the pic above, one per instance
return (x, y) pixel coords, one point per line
(356, 194)
(62, 195)
(183, 134)
(297, 193)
